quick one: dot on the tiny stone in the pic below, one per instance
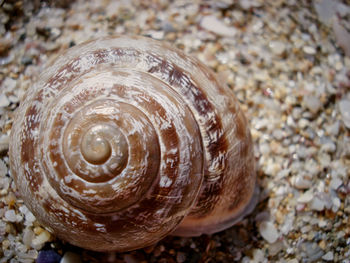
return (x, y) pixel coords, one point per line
(28, 237)
(312, 103)
(157, 35)
(3, 169)
(41, 239)
(309, 50)
(180, 257)
(26, 60)
(329, 147)
(317, 204)
(258, 255)
(303, 123)
(4, 143)
(344, 107)
(333, 129)
(328, 256)
(4, 101)
(13, 99)
(313, 251)
(305, 197)
(275, 248)
(336, 204)
(277, 47)
(335, 183)
(213, 24)
(9, 84)
(48, 256)
(10, 215)
(70, 257)
(325, 10)
(268, 231)
(301, 182)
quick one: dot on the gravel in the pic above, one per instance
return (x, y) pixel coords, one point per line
(288, 63)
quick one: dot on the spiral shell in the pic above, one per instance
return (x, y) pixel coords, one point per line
(125, 139)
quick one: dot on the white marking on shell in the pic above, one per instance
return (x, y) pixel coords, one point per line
(165, 181)
(100, 227)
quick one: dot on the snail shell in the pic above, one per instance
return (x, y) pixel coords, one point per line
(124, 140)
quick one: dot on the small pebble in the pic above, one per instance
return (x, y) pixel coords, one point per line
(335, 183)
(306, 197)
(312, 103)
(28, 236)
(4, 101)
(277, 47)
(317, 204)
(213, 24)
(312, 250)
(70, 257)
(41, 239)
(275, 248)
(48, 256)
(344, 107)
(268, 231)
(180, 257)
(329, 147)
(309, 50)
(10, 215)
(301, 182)
(3, 169)
(328, 256)
(258, 255)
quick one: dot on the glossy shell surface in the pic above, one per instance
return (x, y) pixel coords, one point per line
(124, 140)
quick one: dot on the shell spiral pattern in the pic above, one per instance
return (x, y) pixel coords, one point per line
(124, 140)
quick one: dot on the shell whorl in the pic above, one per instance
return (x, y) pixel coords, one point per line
(122, 138)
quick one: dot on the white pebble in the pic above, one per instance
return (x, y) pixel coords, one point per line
(70, 257)
(268, 231)
(246, 4)
(277, 47)
(301, 182)
(13, 99)
(329, 147)
(157, 34)
(333, 129)
(213, 24)
(10, 215)
(41, 239)
(278, 134)
(303, 123)
(305, 197)
(325, 10)
(336, 204)
(309, 50)
(317, 204)
(312, 103)
(3, 168)
(344, 107)
(258, 255)
(335, 183)
(28, 236)
(4, 101)
(9, 84)
(328, 256)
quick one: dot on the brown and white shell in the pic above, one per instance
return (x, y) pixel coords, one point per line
(125, 140)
